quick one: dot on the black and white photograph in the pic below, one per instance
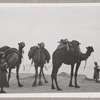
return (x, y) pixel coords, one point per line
(49, 48)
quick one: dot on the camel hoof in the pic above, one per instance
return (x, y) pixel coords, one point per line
(7, 86)
(53, 88)
(20, 85)
(59, 89)
(34, 85)
(2, 92)
(40, 84)
(77, 86)
(71, 85)
(46, 81)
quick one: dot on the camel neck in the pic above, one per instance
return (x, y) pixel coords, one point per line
(85, 56)
(20, 55)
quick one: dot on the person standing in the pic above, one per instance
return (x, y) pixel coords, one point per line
(96, 71)
(3, 71)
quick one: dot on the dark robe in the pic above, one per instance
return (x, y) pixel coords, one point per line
(3, 71)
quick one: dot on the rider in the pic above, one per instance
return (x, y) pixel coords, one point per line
(3, 66)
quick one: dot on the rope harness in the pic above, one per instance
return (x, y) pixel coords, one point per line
(48, 67)
(93, 57)
(86, 60)
(85, 63)
(24, 69)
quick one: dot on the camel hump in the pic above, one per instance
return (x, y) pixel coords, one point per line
(15, 50)
(74, 48)
(2, 49)
(75, 43)
(10, 50)
(32, 51)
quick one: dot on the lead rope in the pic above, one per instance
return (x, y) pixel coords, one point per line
(85, 63)
(93, 57)
(48, 67)
(23, 65)
(24, 69)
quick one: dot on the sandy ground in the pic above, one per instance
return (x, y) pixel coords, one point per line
(86, 85)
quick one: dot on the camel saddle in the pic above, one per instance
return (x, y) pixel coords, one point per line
(72, 47)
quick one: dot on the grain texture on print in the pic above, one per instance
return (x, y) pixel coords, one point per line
(49, 1)
(49, 99)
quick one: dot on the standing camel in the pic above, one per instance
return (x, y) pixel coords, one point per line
(39, 57)
(13, 58)
(63, 56)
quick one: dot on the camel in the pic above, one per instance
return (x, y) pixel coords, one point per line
(13, 58)
(62, 56)
(39, 58)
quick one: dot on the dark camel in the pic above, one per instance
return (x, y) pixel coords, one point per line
(61, 56)
(13, 58)
(39, 59)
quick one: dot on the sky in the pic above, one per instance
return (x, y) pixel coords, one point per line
(49, 24)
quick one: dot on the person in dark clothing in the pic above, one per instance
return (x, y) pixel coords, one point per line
(96, 71)
(3, 77)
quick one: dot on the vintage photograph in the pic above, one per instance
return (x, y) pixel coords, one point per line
(50, 1)
(49, 48)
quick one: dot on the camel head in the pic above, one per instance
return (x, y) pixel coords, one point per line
(21, 45)
(90, 49)
(41, 45)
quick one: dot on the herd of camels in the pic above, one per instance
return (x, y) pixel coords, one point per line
(67, 52)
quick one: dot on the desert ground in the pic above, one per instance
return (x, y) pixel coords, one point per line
(86, 84)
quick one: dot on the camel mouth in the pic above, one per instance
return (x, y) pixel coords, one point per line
(90, 48)
(93, 51)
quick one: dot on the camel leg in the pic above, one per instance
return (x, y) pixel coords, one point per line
(54, 76)
(36, 75)
(40, 76)
(52, 79)
(71, 76)
(9, 76)
(76, 71)
(44, 77)
(17, 76)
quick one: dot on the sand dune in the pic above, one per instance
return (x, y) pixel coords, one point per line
(86, 84)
